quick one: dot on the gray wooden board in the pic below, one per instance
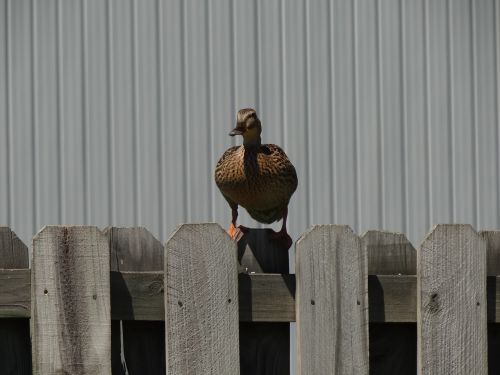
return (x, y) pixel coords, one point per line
(452, 328)
(331, 302)
(264, 347)
(138, 347)
(13, 252)
(15, 294)
(70, 297)
(492, 239)
(137, 296)
(134, 249)
(393, 347)
(263, 297)
(201, 301)
(389, 253)
(267, 297)
(15, 346)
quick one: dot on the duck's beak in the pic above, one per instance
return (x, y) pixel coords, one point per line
(237, 131)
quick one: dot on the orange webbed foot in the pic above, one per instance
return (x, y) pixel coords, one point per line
(232, 231)
(237, 232)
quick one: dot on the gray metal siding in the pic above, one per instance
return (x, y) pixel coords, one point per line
(115, 112)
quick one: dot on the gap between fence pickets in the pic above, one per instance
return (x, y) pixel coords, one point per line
(272, 295)
(15, 342)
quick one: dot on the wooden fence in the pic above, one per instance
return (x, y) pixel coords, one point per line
(117, 301)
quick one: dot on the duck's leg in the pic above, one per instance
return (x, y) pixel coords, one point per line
(236, 232)
(283, 235)
(232, 231)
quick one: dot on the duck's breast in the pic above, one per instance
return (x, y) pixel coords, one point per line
(259, 178)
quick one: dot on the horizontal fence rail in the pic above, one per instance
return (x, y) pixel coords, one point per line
(98, 300)
(262, 297)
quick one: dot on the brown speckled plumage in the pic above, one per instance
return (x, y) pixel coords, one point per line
(257, 177)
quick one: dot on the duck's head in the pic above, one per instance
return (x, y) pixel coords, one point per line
(247, 125)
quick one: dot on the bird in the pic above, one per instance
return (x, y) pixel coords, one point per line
(258, 177)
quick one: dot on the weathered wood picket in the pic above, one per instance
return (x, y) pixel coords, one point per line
(117, 301)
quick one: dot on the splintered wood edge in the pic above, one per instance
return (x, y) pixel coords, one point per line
(263, 297)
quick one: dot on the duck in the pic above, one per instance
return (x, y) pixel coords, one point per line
(258, 177)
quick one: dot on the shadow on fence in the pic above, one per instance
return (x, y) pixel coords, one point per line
(118, 301)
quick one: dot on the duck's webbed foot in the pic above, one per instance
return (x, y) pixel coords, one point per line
(232, 231)
(283, 236)
(236, 232)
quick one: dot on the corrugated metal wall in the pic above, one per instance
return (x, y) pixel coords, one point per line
(115, 112)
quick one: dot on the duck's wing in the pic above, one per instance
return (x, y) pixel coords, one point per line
(222, 173)
(288, 174)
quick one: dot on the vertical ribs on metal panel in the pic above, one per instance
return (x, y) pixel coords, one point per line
(201, 301)
(70, 294)
(331, 302)
(15, 351)
(451, 310)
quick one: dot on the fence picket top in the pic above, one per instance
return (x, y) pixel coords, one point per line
(13, 252)
(451, 313)
(201, 301)
(134, 249)
(70, 297)
(492, 238)
(389, 253)
(259, 253)
(331, 302)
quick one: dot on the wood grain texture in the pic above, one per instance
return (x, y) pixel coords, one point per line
(452, 328)
(389, 253)
(13, 252)
(263, 297)
(264, 347)
(15, 345)
(15, 294)
(331, 302)
(201, 302)
(137, 296)
(70, 296)
(138, 347)
(134, 249)
(267, 298)
(492, 238)
(392, 298)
